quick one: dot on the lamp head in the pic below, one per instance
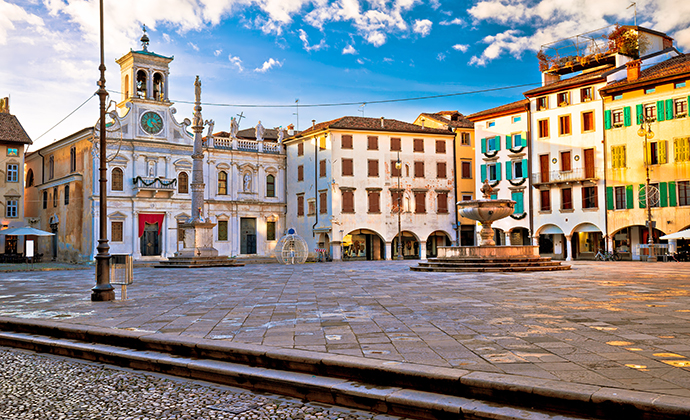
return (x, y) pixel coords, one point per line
(398, 164)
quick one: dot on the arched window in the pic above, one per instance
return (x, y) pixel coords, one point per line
(183, 183)
(45, 199)
(222, 183)
(270, 186)
(66, 194)
(126, 86)
(117, 180)
(73, 159)
(141, 84)
(51, 167)
(55, 197)
(30, 178)
(158, 87)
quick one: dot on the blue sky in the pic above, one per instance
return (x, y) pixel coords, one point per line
(275, 51)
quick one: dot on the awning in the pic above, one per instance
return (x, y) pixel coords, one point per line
(25, 231)
(683, 234)
(150, 218)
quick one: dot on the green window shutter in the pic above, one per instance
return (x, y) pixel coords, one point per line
(642, 195)
(524, 139)
(660, 114)
(607, 120)
(629, 197)
(524, 168)
(483, 172)
(509, 142)
(672, 194)
(669, 109)
(509, 169)
(663, 194)
(639, 110)
(609, 198)
(519, 203)
(498, 142)
(483, 145)
(627, 120)
(498, 171)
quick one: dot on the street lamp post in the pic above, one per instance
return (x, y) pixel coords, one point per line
(648, 134)
(103, 291)
(398, 167)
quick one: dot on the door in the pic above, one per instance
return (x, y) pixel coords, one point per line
(248, 235)
(544, 167)
(150, 240)
(589, 163)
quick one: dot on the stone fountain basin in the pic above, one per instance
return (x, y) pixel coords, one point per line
(486, 210)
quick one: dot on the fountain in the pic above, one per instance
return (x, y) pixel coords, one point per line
(487, 256)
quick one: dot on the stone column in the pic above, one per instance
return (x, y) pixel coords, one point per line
(136, 248)
(672, 246)
(422, 250)
(149, 84)
(336, 250)
(509, 241)
(535, 240)
(609, 243)
(235, 230)
(569, 247)
(167, 74)
(391, 251)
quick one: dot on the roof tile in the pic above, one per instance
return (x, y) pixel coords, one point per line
(11, 131)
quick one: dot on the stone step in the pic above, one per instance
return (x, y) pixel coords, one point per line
(489, 264)
(478, 268)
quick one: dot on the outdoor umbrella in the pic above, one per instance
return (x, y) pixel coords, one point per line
(683, 234)
(24, 231)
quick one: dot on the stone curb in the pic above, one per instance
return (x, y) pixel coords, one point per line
(163, 352)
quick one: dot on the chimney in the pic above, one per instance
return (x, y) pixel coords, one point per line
(633, 70)
(291, 130)
(423, 121)
(382, 126)
(5, 105)
(313, 123)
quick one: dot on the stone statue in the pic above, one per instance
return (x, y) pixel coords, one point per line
(211, 124)
(234, 127)
(281, 134)
(247, 182)
(260, 131)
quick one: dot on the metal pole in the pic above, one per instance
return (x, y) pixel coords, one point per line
(650, 240)
(398, 165)
(103, 291)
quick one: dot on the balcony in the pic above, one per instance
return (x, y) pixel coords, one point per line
(226, 143)
(154, 186)
(567, 177)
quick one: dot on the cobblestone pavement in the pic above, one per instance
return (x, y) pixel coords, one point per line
(614, 324)
(60, 388)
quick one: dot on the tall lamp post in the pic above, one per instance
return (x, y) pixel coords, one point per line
(648, 134)
(103, 291)
(398, 167)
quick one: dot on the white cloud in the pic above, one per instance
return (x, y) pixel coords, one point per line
(305, 42)
(387, 60)
(217, 52)
(461, 47)
(441, 57)
(422, 27)
(456, 21)
(236, 61)
(360, 61)
(349, 50)
(11, 14)
(194, 46)
(268, 65)
(166, 38)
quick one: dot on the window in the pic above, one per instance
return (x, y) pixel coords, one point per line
(620, 199)
(55, 197)
(51, 167)
(493, 143)
(183, 183)
(565, 162)
(517, 140)
(12, 172)
(515, 119)
(72, 159)
(656, 152)
(566, 199)
(440, 146)
(441, 170)
(519, 167)
(588, 121)
(563, 99)
(270, 231)
(322, 168)
(617, 117)
(618, 97)
(323, 202)
(373, 167)
(680, 108)
(116, 231)
(396, 201)
(683, 193)
(222, 183)
(681, 150)
(650, 112)
(589, 197)
(490, 123)
(543, 127)
(586, 94)
(347, 167)
(420, 202)
(311, 207)
(679, 85)
(372, 143)
(374, 198)
(465, 139)
(654, 201)
(11, 151)
(564, 125)
(66, 195)
(30, 178)
(442, 203)
(618, 157)
(542, 103)
(117, 179)
(12, 208)
(45, 199)
(348, 201)
(419, 169)
(300, 205)
(222, 230)
(395, 172)
(300, 149)
(418, 145)
(346, 141)
(466, 168)
(396, 145)
(649, 91)
(519, 198)
(322, 143)
(545, 196)
(270, 186)
(467, 197)
(300, 173)
(493, 171)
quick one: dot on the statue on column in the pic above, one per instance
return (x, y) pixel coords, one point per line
(234, 128)
(260, 131)
(281, 134)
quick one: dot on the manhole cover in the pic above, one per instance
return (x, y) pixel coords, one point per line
(234, 407)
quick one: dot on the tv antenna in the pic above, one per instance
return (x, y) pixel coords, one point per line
(635, 6)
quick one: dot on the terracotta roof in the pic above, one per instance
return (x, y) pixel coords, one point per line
(460, 120)
(580, 79)
(507, 108)
(11, 131)
(671, 67)
(371, 124)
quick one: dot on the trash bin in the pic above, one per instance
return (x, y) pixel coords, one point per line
(121, 271)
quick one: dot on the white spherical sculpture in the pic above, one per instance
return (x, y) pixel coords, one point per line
(291, 249)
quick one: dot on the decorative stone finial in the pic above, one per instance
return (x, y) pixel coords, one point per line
(486, 189)
(144, 39)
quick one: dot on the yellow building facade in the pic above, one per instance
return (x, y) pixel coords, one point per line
(652, 101)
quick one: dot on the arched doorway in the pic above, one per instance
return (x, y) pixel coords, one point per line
(499, 236)
(552, 242)
(363, 244)
(586, 240)
(435, 240)
(410, 246)
(519, 236)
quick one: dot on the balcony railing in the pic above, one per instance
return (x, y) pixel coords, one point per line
(575, 175)
(226, 143)
(157, 183)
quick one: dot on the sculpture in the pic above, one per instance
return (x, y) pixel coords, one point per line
(209, 134)
(260, 131)
(281, 134)
(234, 127)
(247, 182)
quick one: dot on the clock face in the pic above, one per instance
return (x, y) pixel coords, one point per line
(151, 122)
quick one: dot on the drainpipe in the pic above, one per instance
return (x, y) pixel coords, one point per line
(529, 170)
(455, 187)
(43, 166)
(316, 180)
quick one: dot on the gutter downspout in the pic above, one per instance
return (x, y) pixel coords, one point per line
(316, 180)
(455, 192)
(43, 166)
(529, 169)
